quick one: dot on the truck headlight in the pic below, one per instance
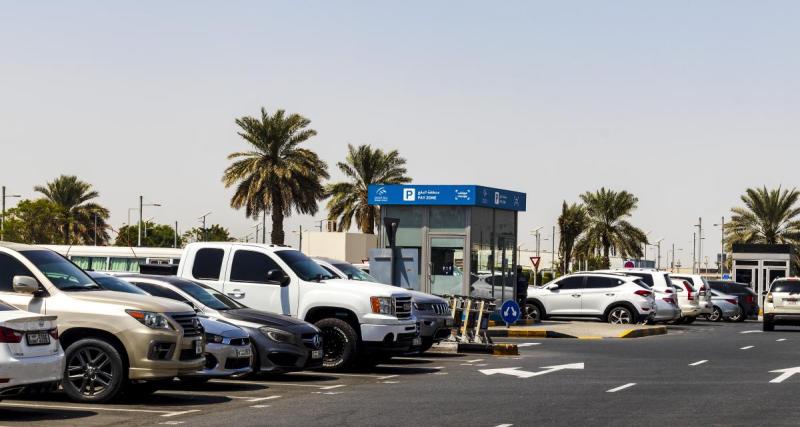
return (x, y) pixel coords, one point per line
(382, 305)
(277, 335)
(150, 319)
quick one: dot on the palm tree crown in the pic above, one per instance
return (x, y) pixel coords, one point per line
(363, 166)
(276, 175)
(607, 212)
(76, 214)
(768, 216)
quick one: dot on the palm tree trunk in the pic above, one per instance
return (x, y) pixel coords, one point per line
(368, 227)
(607, 254)
(277, 234)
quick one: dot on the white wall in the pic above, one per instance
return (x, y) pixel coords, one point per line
(350, 247)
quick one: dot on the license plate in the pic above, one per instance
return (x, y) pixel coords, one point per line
(316, 354)
(790, 301)
(198, 347)
(417, 341)
(244, 352)
(37, 338)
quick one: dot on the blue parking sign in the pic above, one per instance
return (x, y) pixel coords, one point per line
(510, 312)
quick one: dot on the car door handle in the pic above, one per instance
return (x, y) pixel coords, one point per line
(610, 295)
(237, 293)
(576, 295)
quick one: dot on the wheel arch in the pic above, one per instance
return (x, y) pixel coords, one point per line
(625, 304)
(316, 314)
(73, 335)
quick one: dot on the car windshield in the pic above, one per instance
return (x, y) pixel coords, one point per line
(355, 273)
(6, 307)
(208, 296)
(304, 266)
(65, 275)
(112, 283)
(788, 286)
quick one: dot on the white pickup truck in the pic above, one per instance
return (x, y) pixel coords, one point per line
(359, 323)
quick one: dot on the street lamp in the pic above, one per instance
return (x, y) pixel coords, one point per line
(673, 264)
(142, 205)
(3, 217)
(202, 218)
(721, 226)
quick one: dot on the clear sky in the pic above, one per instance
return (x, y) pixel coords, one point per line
(683, 103)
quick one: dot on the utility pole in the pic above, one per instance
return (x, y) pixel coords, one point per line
(140, 221)
(175, 236)
(658, 265)
(3, 216)
(672, 265)
(264, 227)
(699, 243)
(203, 219)
(553, 261)
(301, 238)
(722, 246)
(694, 252)
(95, 228)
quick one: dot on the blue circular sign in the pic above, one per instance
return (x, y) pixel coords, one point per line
(510, 311)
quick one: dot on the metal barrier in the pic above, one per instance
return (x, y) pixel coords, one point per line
(470, 318)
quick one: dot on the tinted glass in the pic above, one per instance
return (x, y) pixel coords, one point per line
(111, 283)
(252, 267)
(208, 296)
(207, 264)
(717, 286)
(6, 307)
(160, 291)
(572, 282)
(594, 282)
(646, 278)
(303, 266)
(790, 286)
(62, 273)
(10, 267)
(355, 273)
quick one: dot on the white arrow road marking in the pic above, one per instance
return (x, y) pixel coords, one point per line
(751, 332)
(622, 387)
(528, 344)
(780, 339)
(525, 374)
(747, 347)
(784, 374)
(698, 363)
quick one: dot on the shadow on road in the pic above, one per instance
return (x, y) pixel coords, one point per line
(39, 415)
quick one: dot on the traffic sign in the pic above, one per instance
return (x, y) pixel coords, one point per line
(726, 276)
(630, 264)
(510, 312)
(535, 261)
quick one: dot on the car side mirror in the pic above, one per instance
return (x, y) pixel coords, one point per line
(278, 277)
(552, 287)
(25, 284)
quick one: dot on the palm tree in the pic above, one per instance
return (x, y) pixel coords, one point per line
(76, 214)
(363, 166)
(276, 175)
(768, 216)
(571, 224)
(607, 212)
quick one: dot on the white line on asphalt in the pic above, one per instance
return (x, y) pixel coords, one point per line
(101, 408)
(267, 383)
(504, 425)
(390, 382)
(700, 362)
(317, 374)
(751, 332)
(780, 339)
(747, 347)
(386, 377)
(331, 387)
(260, 406)
(622, 387)
(467, 364)
(528, 344)
(474, 360)
(259, 399)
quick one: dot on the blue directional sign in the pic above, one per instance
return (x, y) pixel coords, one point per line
(726, 276)
(510, 312)
(446, 195)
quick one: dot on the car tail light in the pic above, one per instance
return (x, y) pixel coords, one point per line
(689, 294)
(749, 299)
(668, 291)
(9, 335)
(54, 333)
(732, 301)
(668, 300)
(643, 293)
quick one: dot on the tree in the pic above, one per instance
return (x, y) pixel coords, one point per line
(571, 224)
(76, 215)
(363, 166)
(607, 225)
(768, 216)
(215, 233)
(31, 221)
(276, 175)
(153, 236)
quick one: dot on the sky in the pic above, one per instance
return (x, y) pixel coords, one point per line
(683, 103)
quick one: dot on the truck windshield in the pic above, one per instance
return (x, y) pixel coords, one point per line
(207, 296)
(65, 275)
(354, 273)
(303, 266)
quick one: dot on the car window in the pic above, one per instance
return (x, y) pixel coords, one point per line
(306, 268)
(641, 284)
(646, 278)
(571, 282)
(6, 307)
(10, 267)
(160, 291)
(252, 267)
(597, 282)
(207, 296)
(332, 273)
(208, 264)
(788, 286)
(61, 272)
(355, 273)
(716, 286)
(111, 283)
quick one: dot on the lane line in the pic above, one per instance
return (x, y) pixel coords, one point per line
(101, 408)
(747, 347)
(260, 406)
(622, 387)
(267, 383)
(387, 377)
(698, 363)
(331, 387)
(319, 374)
(780, 339)
(504, 425)
(260, 399)
(528, 344)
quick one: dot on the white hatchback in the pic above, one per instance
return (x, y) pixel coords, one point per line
(615, 298)
(31, 358)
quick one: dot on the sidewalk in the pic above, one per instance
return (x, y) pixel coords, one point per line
(577, 329)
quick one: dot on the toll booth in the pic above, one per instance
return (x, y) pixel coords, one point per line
(454, 239)
(758, 265)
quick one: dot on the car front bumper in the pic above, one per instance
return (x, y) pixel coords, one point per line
(434, 327)
(178, 357)
(396, 337)
(224, 360)
(276, 358)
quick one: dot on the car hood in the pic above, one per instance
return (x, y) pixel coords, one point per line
(367, 289)
(132, 301)
(221, 328)
(418, 296)
(261, 317)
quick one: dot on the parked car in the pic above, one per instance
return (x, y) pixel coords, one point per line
(227, 351)
(432, 312)
(280, 343)
(701, 288)
(358, 323)
(782, 303)
(113, 342)
(688, 300)
(746, 297)
(667, 308)
(615, 298)
(31, 359)
(724, 306)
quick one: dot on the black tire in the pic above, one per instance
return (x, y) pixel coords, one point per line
(689, 320)
(716, 315)
(533, 311)
(427, 343)
(339, 344)
(194, 380)
(740, 317)
(621, 315)
(93, 372)
(768, 326)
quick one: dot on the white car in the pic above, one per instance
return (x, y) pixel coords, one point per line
(688, 300)
(615, 298)
(703, 290)
(667, 308)
(31, 358)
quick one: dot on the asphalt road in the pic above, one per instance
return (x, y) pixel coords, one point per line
(700, 374)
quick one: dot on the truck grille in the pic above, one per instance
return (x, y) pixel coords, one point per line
(403, 307)
(189, 322)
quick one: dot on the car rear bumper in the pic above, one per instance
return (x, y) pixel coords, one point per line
(783, 318)
(27, 371)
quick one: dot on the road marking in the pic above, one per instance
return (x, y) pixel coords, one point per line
(698, 363)
(101, 408)
(467, 364)
(268, 383)
(318, 374)
(387, 377)
(516, 372)
(474, 360)
(331, 387)
(784, 374)
(747, 347)
(622, 387)
(528, 344)
(260, 406)
(751, 332)
(780, 339)
(504, 425)
(329, 393)
(259, 399)
(390, 382)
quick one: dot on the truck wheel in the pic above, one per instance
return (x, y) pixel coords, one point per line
(339, 344)
(427, 343)
(94, 371)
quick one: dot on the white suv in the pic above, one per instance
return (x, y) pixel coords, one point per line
(702, 289)
(782, 304)
(667, 308)
(615, 298)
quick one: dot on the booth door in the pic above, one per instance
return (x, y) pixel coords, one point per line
(446, 265)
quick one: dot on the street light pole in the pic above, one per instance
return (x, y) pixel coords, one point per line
(95, 228)
(722, 246)
(3, 216)
(203, 219)
(175, 236)
(140, 221)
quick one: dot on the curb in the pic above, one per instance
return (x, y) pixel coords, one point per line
(493, 349)
(638, 333)
(525, 322)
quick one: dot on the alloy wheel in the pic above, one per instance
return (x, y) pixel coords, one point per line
(715, 315)
(532, 312)
(620, 316)
(90, 371)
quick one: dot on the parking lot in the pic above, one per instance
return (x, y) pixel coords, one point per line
(721, 373)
